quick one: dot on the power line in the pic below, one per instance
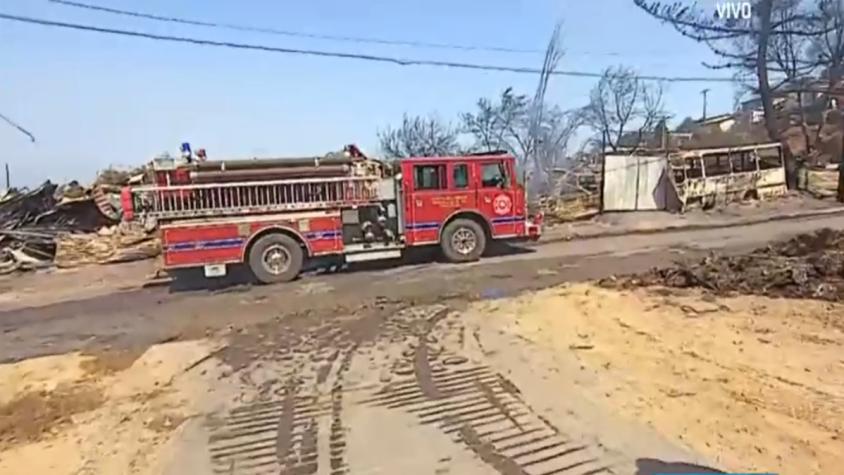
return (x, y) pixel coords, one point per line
(20, 128)
(336, 54)
(290, 33)
(349, 39)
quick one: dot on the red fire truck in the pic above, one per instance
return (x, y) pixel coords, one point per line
(277, 215)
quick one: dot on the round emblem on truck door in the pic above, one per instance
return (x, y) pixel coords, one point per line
(502, 204)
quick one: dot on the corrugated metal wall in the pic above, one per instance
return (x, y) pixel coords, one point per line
(633, 183)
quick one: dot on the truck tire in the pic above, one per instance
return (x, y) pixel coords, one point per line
(463, 240)
(275, 258)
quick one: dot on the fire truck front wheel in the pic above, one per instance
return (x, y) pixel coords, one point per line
(463, 240)
(275, 258)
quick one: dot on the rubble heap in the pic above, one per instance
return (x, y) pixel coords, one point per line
(806, 266)
(124, 242)
(575, 194)
(69, 225)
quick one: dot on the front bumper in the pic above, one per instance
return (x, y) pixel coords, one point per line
(533, 227)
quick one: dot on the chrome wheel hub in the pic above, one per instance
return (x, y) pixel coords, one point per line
(464, 241)
(276, 259)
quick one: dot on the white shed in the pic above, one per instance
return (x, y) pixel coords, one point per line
(637, 182)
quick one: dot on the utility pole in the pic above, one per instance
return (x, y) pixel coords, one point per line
(705, 92)
(8, 184)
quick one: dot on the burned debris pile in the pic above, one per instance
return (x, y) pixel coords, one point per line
(67, 225)
(110, 245)
(574, 195)
(30, 222)
(806, 266)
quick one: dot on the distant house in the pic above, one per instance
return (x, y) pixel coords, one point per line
(754, 106)
(723, 130)
(801, 108)
(660, 138)
(634, 140)
(813, 94)
(723, 122)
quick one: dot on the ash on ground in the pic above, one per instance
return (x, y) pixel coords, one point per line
(806, 266)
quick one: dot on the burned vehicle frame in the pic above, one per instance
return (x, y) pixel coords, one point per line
(716, 176)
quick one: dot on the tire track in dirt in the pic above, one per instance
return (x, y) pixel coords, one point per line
(337, 435)
(284, 441)
(283, 435)
(472, 404)
(481, 409)
(279, 436)
(490, 396)
(423, 355)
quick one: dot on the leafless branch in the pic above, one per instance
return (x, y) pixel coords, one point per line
(620, 103)
(419, 137)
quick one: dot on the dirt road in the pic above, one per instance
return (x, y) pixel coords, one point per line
(66, 312)
(411, 369)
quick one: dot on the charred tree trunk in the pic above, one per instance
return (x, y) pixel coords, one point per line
(807, 139)
(762, 68)
(841, 171)
(603, 171)
(771, 126)
(831, 93)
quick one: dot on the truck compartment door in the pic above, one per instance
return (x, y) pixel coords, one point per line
(496, 197)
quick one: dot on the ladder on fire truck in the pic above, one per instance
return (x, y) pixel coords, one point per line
(171, 202)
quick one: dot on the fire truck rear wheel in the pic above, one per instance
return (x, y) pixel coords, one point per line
(463, 240)
(276, 258)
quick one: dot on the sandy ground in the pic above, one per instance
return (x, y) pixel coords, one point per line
(754, 384)
(572, 379)
(107, 413)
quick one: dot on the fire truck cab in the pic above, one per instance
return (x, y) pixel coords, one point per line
(277, 215)
(460, 203)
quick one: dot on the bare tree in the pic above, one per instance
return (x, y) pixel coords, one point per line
(790, 54)
(536, 136)
(419, 137)
(744, 45)
(828, 46)
(622, 103)
(508, 124)
(534, 132)
(553, 136)
(840, 191)
(500, 125)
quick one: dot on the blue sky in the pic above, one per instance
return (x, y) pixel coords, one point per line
(94, 100)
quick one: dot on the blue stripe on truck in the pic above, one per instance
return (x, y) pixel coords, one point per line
(423, 226)
(210, 244)
(508, 220)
